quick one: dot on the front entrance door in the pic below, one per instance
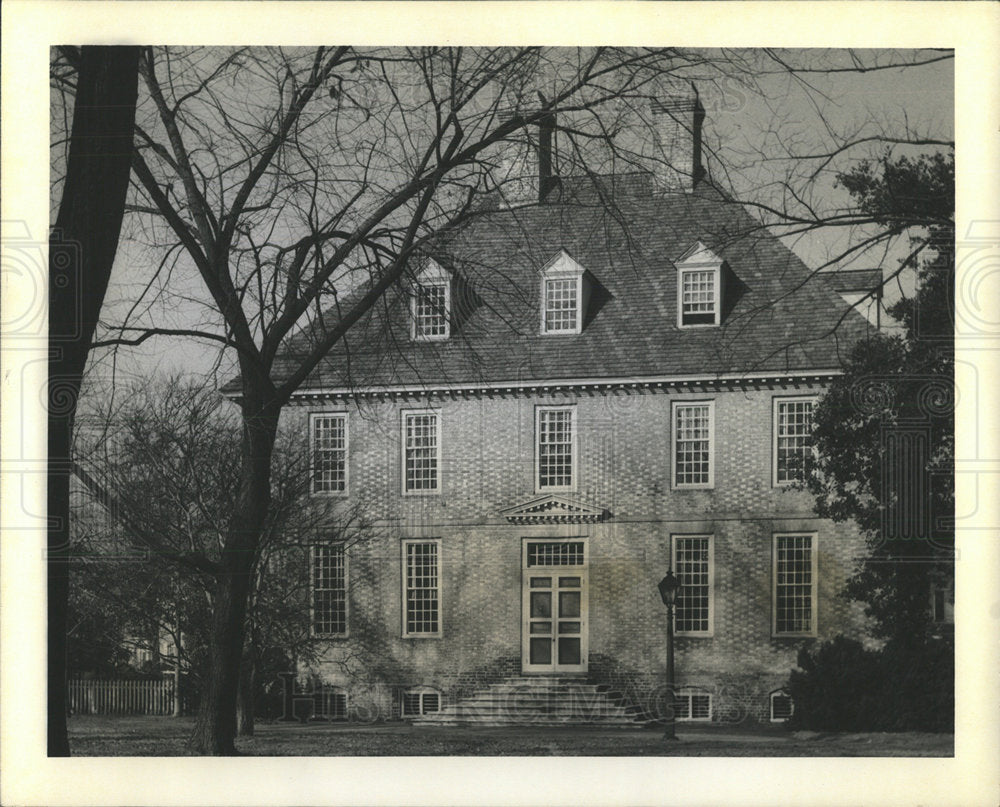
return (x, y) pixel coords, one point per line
(554, 607)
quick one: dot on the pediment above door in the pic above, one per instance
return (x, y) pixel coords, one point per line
(551, 509)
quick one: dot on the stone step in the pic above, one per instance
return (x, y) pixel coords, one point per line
(486, 700)
(459, 720)
(539, 701)
(542, 709)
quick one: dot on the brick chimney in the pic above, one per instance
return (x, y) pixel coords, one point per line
(677, 123)
(526, 168)
(547, 180)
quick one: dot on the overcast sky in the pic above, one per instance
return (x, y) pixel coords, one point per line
(751, 131)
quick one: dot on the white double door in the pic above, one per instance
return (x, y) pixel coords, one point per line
(554, 619)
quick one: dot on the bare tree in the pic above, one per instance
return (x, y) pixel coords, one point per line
(160, 472)
(284, 192)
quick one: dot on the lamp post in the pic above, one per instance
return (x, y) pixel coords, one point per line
(668, 587)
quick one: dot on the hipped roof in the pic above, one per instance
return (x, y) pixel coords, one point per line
(778, 316)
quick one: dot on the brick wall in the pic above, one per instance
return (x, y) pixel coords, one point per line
(624, 468)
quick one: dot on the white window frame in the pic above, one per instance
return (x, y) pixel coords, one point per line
(563, 267)
(414, 300)
(574, 448)
(431, 275)
(404, 414)
(312, 593)
(711, 446)
(421, 692)
(775, 408)
(711, 582)
(716, 272)
(780, 693)
(313, 418)
(689, 692)
(814, 584)
(406, 542)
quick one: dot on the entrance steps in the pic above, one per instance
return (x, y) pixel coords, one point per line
(538, 701)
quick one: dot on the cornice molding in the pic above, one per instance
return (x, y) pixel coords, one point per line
(638, 385)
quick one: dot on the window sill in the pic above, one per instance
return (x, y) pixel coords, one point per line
(419, 636)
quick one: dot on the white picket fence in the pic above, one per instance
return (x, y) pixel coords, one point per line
(88, 697)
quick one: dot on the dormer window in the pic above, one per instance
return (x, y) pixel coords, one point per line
(699, 288)
(431, 304)
(564, 295)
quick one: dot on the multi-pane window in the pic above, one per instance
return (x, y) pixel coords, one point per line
(421, 452)
(330, 703)
(555, 553)
(793, 445)
(781, 706)
(693, 569)
(421, 701)
(693, 424)
(430, 311)
(794, 584)
(690, 705)
(421, 588)
(561, 305)
(699, 297)
(329, 591)
(554, 454)
(329, 453)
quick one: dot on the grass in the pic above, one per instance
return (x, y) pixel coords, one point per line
(164, 736)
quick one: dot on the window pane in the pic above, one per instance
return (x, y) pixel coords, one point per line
(541, 582)
(430, 311)
(329, 453)
(541, 651)
(793, 584)
(569, 651)
(692, 444)
(555, 448)
(541, 604)
(691, 568)
(569, 604)
(569, 627)
(794, 439)
(421, 447)
(560, 305)
(421, 588)
(569, 553)
(541, 627)
(329, 591)
(698, 298)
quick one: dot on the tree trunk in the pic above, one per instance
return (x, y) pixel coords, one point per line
(245, 706)
(215, 729)
(82, 248)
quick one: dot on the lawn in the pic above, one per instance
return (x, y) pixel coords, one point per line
(164, 736)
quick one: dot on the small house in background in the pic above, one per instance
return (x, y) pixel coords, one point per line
(577, 392)
(861, 289)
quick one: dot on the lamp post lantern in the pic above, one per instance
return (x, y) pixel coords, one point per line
(668, 587)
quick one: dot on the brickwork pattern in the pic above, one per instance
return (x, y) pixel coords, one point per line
(624, 467)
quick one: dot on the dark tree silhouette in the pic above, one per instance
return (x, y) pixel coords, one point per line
(82, 248)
